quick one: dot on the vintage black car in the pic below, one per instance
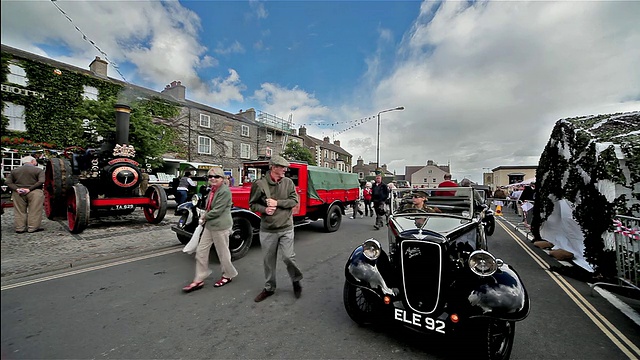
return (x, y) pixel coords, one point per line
(438, 276)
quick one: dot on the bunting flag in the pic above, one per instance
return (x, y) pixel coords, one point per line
(625, 231)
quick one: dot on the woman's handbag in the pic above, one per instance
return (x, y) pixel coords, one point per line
(192, 245)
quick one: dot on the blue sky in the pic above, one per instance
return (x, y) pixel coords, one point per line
(482, 83)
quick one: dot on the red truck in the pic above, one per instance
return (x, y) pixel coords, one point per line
(323, 194)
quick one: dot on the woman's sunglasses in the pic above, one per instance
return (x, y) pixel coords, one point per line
(214, 176)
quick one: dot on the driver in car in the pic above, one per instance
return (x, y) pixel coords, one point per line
(419, 202)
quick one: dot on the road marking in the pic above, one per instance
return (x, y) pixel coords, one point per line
(91, 268)
(631, 350)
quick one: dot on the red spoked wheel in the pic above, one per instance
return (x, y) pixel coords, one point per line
(78, 207)
(156, 211)
(58, 181)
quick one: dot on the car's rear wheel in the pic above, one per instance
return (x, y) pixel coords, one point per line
(240, 238)
(495, 338)
(361, 305)
(490, 226)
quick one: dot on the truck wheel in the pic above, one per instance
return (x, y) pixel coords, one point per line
(155, 212)
(78, 208)
(333, 218)
(57, 183)
(240, 238)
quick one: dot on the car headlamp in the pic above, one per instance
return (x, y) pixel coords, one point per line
(482, 263)
(195, 198)
(371, 249)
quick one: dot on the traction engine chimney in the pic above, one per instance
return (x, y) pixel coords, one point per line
(123, 113)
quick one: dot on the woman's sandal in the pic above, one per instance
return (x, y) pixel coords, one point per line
(223, 281)
(193, 286)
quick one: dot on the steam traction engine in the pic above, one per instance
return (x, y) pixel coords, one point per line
(105, 179)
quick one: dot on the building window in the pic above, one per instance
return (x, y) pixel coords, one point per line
(15, 113)
(228, 149)
(326, 164)
(425, 180)
(360, 175)
(326, 154)
(268, 152)
(17, 75)
(245, 151)
(90, 93)
(269, 137)
(434, 180)
(204, 145)
(245, 130)
(205, 120)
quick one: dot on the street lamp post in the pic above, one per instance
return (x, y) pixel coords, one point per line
(378, 145)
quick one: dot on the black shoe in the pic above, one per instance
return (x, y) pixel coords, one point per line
(376, 227)
(19, 232)
(263, 295)
(297, 289)
(36, 230)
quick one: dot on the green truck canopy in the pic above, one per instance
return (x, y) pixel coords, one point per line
(321, 178)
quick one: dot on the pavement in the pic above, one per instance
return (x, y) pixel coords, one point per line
(56, 249)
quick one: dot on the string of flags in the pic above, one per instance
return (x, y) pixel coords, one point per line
(625, 231)
(351, 123)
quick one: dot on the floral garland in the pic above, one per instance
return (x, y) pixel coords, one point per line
(634, 234)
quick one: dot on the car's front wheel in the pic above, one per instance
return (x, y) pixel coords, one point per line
(495, 338)
(361, 305)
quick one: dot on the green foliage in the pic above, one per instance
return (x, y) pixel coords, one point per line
(64, 118)
(294, 151)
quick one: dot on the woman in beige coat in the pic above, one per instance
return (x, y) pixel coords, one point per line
(217, 228)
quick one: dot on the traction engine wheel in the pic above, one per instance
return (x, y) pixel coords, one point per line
(156, 211)
(58, 181)
(78, 207)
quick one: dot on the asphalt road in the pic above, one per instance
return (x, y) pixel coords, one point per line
(134, 309)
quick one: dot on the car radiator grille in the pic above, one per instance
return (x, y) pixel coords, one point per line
(421, 274)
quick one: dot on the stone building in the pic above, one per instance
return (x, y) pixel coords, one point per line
(426, 176)
(208, 135)
(326, 154)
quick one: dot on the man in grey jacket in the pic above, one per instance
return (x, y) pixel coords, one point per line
(274, 197)
(25, 183)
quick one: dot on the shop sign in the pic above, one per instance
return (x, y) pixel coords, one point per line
(20, 91)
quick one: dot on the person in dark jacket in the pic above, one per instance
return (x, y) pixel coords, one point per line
(274, 197)
(27, 195)
(379, 195)
(183, 188)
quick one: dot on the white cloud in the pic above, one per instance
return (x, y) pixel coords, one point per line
(484, 84)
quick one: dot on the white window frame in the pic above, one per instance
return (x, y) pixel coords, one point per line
(244, 130)
(205, 120)
(203, 147)
(360, 175)
(15, 113)
(245, 151)
(268, 152)
(326, 154)
(269, 136)
(90, 93)
(17, 75)
(229, 148)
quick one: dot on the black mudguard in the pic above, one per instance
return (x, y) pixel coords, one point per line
(502, 296)
(369, 274)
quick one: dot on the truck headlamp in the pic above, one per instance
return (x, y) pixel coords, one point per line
(371, 249)
(482, 263)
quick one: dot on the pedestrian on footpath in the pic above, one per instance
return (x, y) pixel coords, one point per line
(274, 197)
(366, 195)
(183, 188)
(27, 195)
(217, 224)
(379, 195)
(356, 206)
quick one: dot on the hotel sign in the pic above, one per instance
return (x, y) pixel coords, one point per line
(20, 91)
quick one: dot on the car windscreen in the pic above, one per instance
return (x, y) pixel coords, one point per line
(455, 201)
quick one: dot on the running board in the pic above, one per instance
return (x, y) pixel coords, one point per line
(303, 222)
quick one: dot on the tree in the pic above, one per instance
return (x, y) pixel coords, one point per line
(295, 151)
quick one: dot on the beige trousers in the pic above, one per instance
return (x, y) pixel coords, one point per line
(28, 210)
(220, 239)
